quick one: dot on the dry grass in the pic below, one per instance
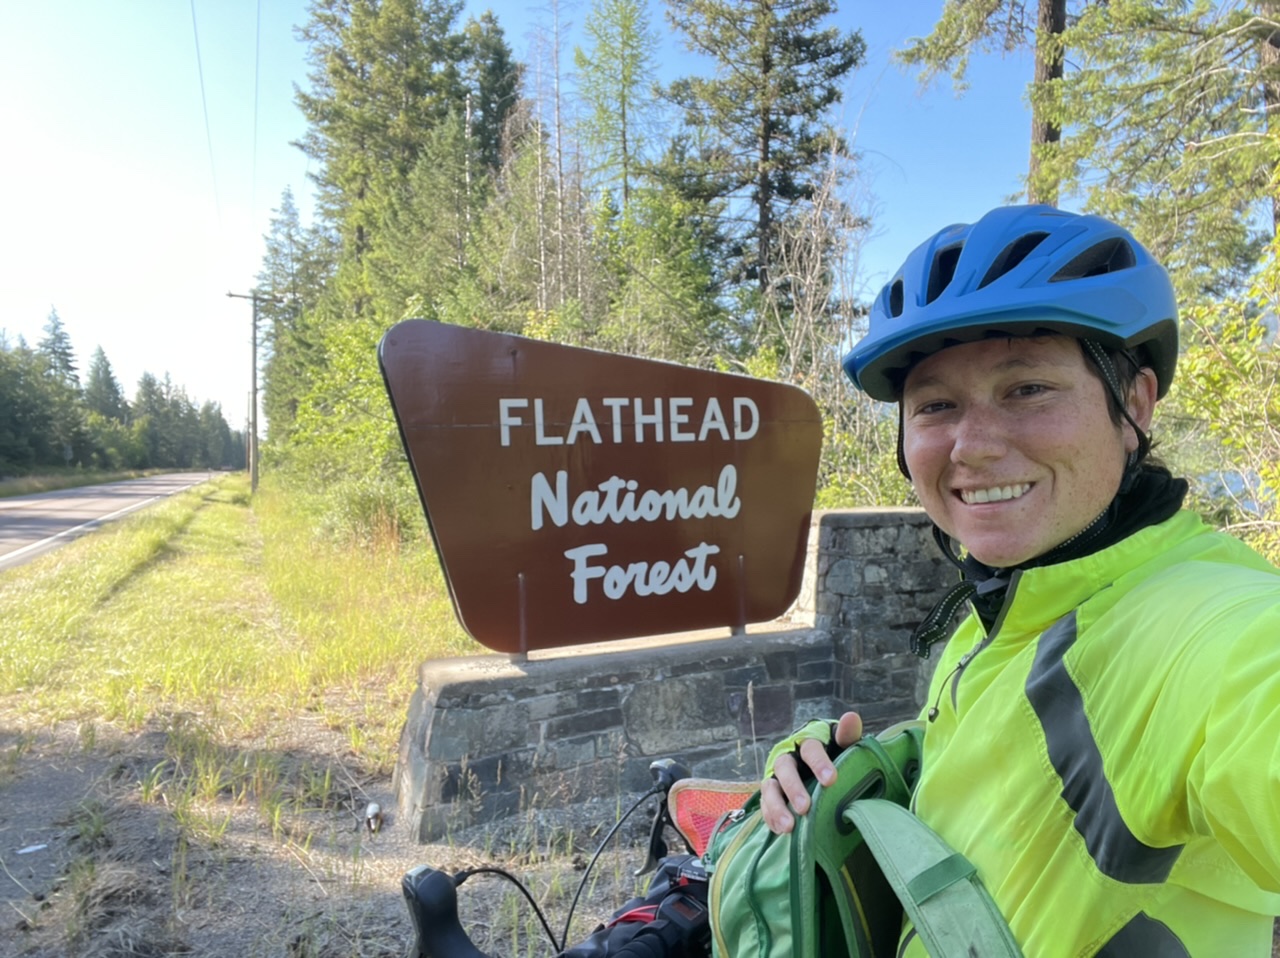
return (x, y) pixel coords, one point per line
(196, 705)
(64, 479)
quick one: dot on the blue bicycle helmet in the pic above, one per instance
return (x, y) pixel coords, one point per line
(1017, 270)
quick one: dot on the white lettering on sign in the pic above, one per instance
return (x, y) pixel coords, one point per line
(619, 500)
(646, 578)
(618, 420)
(656, 420)
(507, 418)
(583, 421)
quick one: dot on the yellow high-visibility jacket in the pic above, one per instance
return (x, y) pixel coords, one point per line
(1109, 756)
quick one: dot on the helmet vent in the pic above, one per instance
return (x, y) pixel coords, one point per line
(944, 270)
(895, 298)
(1109, 256)
(1011, 256)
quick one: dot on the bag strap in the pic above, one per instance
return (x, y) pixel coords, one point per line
(938, 887)
(896, 788)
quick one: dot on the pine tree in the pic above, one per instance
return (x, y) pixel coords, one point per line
(384, 72)
(509, 255)
(61, 395)
(102, 393)
(1169, 112)
(295, 269)
(492, 77)
(150, 416)
(25, 416)
(1006, 25)
(778, 71)
(216, 447)
(1165, 115)
(425, 247)
(55, 347)
(615, 78)
(663, 303)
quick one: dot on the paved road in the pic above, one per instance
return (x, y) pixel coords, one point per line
(32, 525)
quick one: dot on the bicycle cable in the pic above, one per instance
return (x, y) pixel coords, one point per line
(559, 946)
(462, 876)
(656, 789)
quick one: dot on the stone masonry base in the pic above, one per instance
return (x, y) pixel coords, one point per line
(487, 737)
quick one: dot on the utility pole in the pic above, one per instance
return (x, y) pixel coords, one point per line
(251, 445)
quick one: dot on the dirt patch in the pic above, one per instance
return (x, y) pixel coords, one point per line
(91, 867)
(94, 869)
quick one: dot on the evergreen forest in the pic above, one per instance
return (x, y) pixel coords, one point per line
(716, 218)
(50, 419)
(710, 210)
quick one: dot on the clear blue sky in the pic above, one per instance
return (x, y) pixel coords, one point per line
(134, 218)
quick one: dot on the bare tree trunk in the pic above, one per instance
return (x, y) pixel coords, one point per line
(540, 208)
(764, 191)
(562, 281)
(1050, 25)
(467, 154)
(764, 211)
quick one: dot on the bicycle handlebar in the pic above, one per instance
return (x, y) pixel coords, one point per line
(432, 899)
(680, 931)
(645, 946)
(679, 928)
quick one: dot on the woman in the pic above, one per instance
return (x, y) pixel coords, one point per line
(1103, 728)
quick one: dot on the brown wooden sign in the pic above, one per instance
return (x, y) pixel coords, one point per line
(578, 496)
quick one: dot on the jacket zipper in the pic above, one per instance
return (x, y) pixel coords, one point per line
(969, 656)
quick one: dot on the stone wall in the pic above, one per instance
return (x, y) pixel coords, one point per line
(487, 736)
(871, 576)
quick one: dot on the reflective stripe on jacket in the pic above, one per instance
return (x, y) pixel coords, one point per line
(1109, 757)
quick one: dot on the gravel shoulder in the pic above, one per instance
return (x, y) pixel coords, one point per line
(92, 869)
(89, 867)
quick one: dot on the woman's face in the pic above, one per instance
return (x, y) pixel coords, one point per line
(1011, 446)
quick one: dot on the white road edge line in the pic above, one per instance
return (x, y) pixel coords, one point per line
(83, 525)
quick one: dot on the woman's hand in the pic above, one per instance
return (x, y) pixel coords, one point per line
(786, 786)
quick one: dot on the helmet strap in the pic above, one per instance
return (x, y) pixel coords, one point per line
(902, 455)
(1107, 368)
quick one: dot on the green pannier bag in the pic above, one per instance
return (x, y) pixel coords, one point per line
(840, 882)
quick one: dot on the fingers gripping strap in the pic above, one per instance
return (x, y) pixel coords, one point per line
(939, 889)
(822, 730)
(896, 787)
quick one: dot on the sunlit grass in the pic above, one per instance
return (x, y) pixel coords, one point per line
(361, 617)
(239, 615)
(236, 629)
(65, 479)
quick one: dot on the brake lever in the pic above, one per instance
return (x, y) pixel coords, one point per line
(666, 772)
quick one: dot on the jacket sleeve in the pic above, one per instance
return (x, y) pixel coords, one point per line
(1233, 785)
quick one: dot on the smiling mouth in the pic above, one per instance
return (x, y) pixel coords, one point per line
(973, 497)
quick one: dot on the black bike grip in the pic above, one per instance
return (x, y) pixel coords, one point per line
(650, 943)
(432, 899)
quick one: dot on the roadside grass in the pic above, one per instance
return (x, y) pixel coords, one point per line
(219, 625)
(219, 630)
(366, 616)
(66, 479)
(202, 605)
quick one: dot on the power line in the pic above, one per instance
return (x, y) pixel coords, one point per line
(208, 136)
(257, 58)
